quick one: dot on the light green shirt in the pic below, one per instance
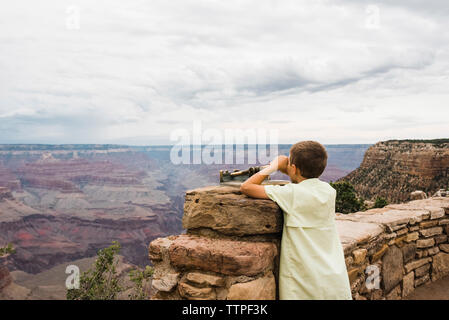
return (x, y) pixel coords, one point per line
(312, 262)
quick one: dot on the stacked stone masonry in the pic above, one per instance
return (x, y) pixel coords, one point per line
(232, 243)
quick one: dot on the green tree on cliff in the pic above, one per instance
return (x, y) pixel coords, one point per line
(347, 200)
(103, 282)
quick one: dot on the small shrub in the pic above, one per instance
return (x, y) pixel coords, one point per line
(380, 202)
(103, 282)
(139, 278)
(347, 200)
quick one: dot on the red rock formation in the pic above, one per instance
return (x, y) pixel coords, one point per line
(42, 241)
(394, 169)
(69, 204)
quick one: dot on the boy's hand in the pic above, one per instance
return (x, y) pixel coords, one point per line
(253, 188)
(280, 163)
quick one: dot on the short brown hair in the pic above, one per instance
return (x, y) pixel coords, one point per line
(310, 157)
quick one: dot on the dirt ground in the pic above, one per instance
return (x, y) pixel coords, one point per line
(438, 290)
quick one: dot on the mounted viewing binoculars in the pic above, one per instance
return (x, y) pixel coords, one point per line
(236, 177)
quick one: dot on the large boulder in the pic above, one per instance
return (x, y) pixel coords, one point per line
(221, 255)
(226, 210)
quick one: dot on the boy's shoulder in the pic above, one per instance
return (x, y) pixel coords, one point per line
(307, 204)
(309, 186)
(314, 183)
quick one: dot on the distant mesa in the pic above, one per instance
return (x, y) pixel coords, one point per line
(394, 169)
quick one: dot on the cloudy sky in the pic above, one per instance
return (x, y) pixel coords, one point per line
(114, 71)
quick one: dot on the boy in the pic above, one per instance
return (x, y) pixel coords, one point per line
(312, 263)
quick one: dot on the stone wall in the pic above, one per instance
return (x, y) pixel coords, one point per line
(407, 244)
(231, 248)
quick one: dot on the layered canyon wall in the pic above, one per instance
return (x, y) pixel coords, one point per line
(394, 169)
(64, 202)
(59, 205)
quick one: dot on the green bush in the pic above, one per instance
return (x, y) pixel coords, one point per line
(7, 250)
(103, 282)
(380, 202)
(347, 200)
(139, 277)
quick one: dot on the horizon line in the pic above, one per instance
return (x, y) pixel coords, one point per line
(163, 145)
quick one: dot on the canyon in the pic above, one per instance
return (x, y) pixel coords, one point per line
(60, 203)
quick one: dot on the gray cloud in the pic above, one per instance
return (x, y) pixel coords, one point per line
(136, 68)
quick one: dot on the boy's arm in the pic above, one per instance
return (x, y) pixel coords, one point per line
(253, 188)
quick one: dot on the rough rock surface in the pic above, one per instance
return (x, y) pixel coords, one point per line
(352, 233)
(392, 265)
(408, 284)
(440, 266)
(202, 279)
(194, 293)
(394, 294)
(167, 283)
(409, 252)
(263, 288)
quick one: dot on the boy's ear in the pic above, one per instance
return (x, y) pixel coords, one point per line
(297, 171)
(294, 167)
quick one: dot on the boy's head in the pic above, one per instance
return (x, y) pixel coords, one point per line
(308, 159)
